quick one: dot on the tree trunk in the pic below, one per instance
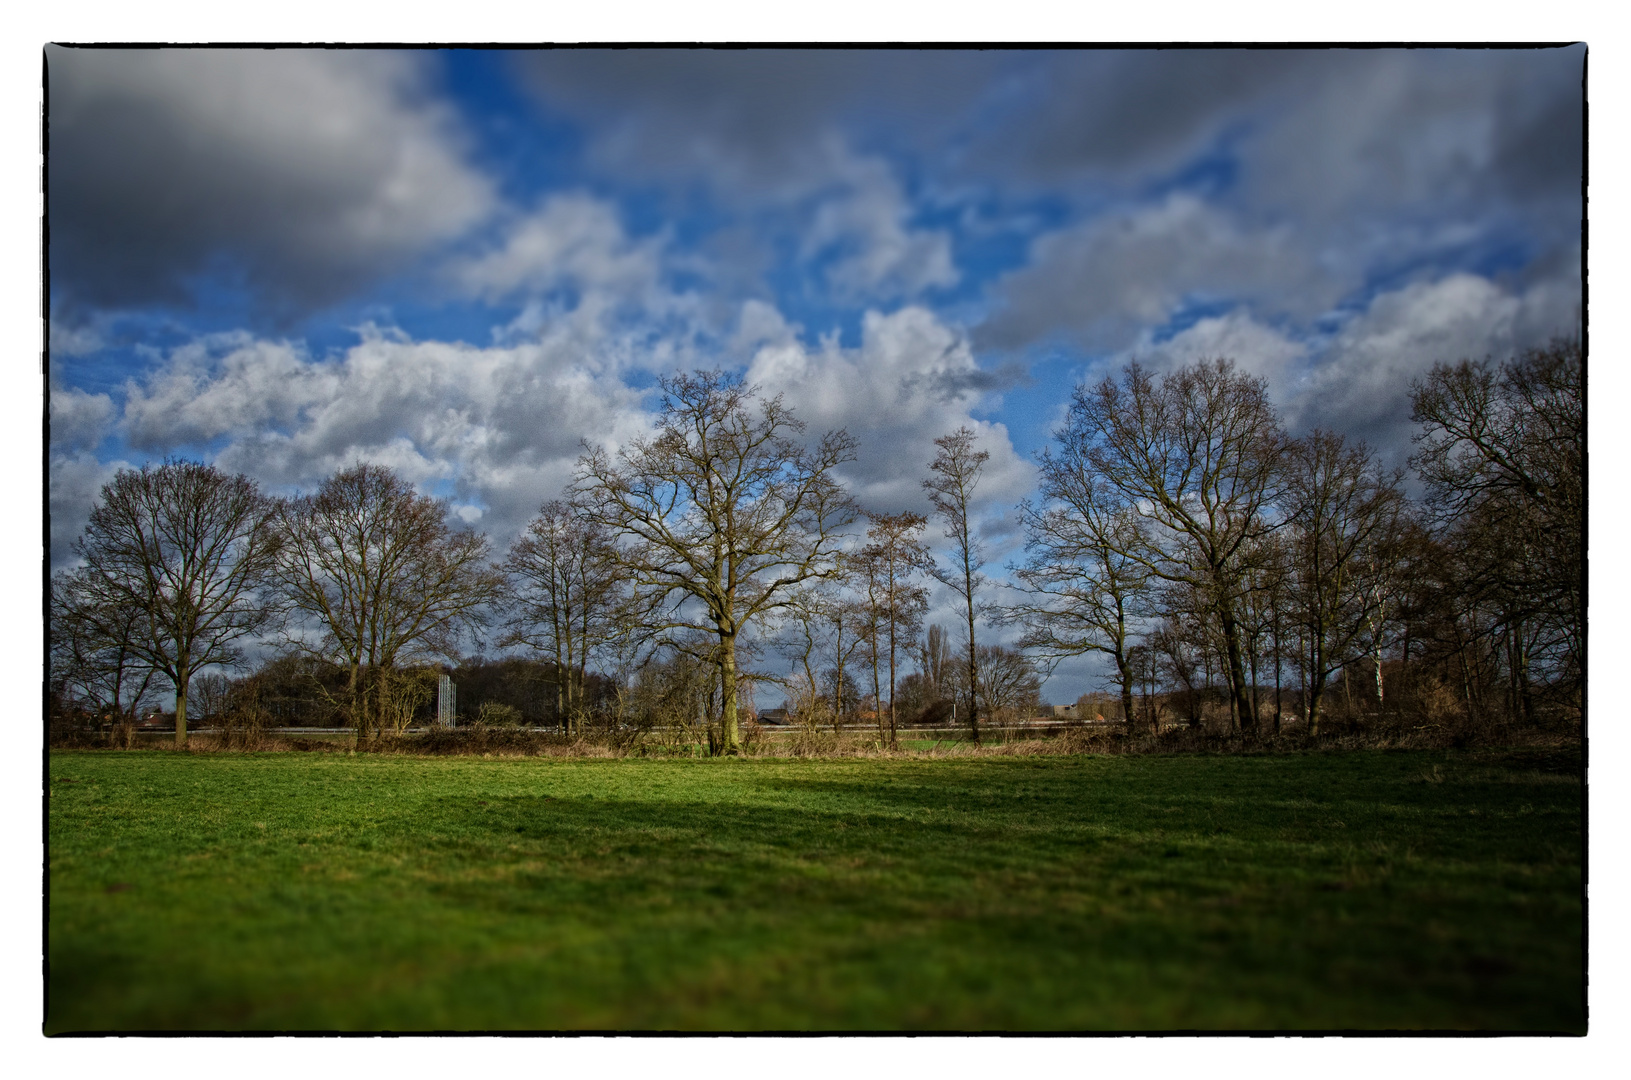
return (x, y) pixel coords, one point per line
(1126, 690)
(1237, 671)
(1251, 653)
(973, 664)
(353, 693)
(1315, 693)
(1378, 659)
(732, 743)
(877, 689)
(182, 678)
(892, 740)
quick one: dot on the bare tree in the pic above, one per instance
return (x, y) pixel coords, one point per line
(1006, 682)
(802, 641)
(936, 660)
(1088, 573)
(957, 468)
(1502, 452)
(91, 648)
(893, 556)
(567, 597)
(1346, 515)
(1198, 453)
(846, 622)
(190, 548)
(724, 513)
(386, 579)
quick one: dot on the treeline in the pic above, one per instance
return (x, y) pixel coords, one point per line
(1179, 532)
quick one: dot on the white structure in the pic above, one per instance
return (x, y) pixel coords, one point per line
(446, 702)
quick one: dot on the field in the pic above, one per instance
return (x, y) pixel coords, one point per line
(1419, 890)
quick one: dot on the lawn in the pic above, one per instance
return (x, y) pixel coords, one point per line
(325, 891)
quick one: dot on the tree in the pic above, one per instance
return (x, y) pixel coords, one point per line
(567, 596)
(845, 622)
(936, 661)
(893, 556)
(190, 549)
(1502, 453)
(92, 647)
(1345, 515)
(386, 579)
(1197, 452)
(957, 468)
(1088, 572)
(724, 513)
(801, 642)
(1006, 682)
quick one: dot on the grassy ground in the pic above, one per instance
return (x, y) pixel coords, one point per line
(323, 891)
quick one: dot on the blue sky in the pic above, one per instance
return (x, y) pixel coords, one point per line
(464, 264)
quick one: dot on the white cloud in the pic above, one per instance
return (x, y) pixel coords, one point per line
(1360, 382)
(880, 256)
(911, 380)
(571, 240)
(79, 421)
(73, 483)
(500, 427)
(1255, 348)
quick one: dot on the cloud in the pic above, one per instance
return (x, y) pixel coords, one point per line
(1402, 130)
(79, 421)
(880, 256)
(570, 241)
(1359, 383)
(74, 482)
(1101, 281)
(1256, 349)
(498, 428)
(1116, 116)
(911, 380)
(306, 171)
(752, 124)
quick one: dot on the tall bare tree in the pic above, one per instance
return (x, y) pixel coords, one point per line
(935, 660)
(191, 549)
(566, 598)
(724, 512)
(1502, 452)
(1346, 517)
(1198, 453)
(386, 579)
(1088, 571)
(957, 468)
(893, 557)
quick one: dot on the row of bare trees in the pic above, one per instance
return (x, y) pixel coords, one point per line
(1179, 533)
(182, 566)
(1180, 528)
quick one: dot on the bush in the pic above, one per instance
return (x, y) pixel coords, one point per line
(497, 714)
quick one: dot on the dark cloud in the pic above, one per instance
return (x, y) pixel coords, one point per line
(754, 120)
(300, 173)
(1098, 284)
(1119, 112)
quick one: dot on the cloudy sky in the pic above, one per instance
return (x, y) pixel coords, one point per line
(464, 264)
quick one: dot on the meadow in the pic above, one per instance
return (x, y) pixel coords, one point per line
(1421, 890)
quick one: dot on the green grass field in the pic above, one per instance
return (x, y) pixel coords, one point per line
(326, 891)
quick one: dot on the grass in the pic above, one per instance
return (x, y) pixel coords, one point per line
(1419, 890)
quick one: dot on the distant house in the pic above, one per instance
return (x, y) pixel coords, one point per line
(1060, 712)
(773, 716)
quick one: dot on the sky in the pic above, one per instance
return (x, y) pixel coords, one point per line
(468, 264)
